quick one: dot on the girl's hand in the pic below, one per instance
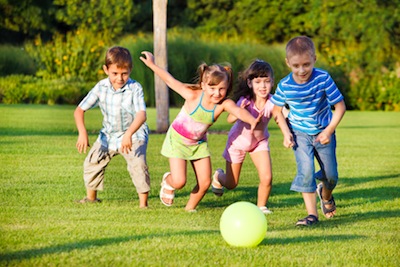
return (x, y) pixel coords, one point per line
(244, 103)
(148, 58)
(256, 121)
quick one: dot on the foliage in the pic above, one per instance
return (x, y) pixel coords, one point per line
(15, 60)
(25, 17)
(33, 90)
(358, 41)
(77, 54)
(361, 37)
(110, 16)
(41, 176)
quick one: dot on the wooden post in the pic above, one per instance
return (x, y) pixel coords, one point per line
(161, 59)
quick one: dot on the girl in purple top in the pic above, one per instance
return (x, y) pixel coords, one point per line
(255, 85)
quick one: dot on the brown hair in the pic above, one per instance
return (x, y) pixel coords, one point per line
(120, 56)
(300, 45)
(213, 75)
(258, 68)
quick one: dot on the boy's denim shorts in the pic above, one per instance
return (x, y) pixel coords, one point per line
(305, 151)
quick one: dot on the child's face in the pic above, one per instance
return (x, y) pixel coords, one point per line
(301, 66)
(261, 86)
(118, 76)
(215, 92)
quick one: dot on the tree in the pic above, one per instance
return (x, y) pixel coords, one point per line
(160, 54)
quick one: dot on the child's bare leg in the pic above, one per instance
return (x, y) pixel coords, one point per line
(143, 199)
(177, 178)
(231, 179)
(91, 194)
(262, 161)
(326, 196)
(202, 170)
(310, 201)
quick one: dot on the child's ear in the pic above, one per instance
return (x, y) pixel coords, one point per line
(105, 69)
(249, 83)
(287, 62)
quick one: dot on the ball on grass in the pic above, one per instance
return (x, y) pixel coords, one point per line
(243, 224)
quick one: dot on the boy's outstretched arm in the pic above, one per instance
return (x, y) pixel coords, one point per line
(324, 137)
(288, 141)
(83, 140)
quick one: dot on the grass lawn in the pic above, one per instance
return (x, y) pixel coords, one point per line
(41, 225)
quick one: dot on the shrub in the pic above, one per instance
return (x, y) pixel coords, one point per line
(15, 60)
(77, 54)
(16, 89)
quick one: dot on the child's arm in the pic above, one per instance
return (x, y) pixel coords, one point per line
(281, 121)
(126, 144)
(325, 136)
(231, 118)
(83, 140)
(171, 82)
(241, 113)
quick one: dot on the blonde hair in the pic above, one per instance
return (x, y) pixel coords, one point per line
(300, 45)
(120, 56)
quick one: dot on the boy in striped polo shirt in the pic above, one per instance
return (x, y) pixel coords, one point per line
(310, 92)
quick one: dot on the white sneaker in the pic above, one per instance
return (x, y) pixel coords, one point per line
(265, 210)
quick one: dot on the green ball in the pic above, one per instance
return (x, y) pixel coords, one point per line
(243, 224)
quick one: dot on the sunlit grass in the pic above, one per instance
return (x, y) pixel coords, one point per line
(41, 176)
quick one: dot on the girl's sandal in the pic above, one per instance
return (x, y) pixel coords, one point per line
(166, 196)
(216, 186)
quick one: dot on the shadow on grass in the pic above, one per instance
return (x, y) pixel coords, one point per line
(291, 198)
(87, 244)
(317, 239)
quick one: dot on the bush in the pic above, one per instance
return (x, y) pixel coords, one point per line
(16, 89)
(75, 55)
(70, 68)
(15, 60)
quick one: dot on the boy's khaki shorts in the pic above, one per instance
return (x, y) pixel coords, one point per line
(99, 157)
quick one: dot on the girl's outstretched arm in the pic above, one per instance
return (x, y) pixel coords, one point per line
(171, 82)
(231, 118)
(241, 113)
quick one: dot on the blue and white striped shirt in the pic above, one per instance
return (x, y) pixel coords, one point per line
(119, 108)
(309, 103)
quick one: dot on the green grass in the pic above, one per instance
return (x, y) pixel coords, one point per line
(41, 176)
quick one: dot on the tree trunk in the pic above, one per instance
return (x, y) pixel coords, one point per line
(161, 59)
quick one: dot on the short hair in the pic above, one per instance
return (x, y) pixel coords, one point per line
(120, 56)
(300, 45)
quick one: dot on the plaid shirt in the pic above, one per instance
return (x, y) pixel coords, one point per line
(119, 108)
